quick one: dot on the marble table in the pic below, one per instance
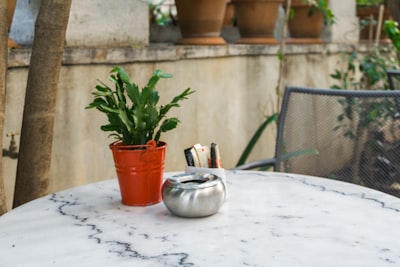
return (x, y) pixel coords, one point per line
(269, 219)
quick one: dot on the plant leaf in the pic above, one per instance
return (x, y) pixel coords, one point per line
(256, 136)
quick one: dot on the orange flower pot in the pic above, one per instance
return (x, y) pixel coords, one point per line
(140, 170)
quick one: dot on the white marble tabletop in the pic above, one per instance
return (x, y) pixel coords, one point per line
(269, 219)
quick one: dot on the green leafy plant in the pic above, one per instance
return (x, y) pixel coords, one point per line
(365, 70)
(361, 118)
(255, 138)
(253, 141)
(391, 29)
(134, 115)
(322, 6)
(368, 12)
(158, 13)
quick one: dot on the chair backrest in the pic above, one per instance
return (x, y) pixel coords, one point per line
(353, 136)
(393, 78)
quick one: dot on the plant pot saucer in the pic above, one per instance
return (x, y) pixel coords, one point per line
(201, 41)
(304, 41)
(257, 40)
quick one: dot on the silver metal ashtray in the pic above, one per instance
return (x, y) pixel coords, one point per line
(193, 194)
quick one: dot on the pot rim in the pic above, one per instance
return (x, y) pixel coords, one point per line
(193, 181)
(151, 144)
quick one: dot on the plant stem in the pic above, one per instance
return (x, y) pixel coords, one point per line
(379, 27)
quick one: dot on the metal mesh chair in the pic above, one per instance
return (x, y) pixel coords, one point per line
(352, 136)
(393, 79)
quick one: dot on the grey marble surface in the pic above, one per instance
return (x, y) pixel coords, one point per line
(269, 219)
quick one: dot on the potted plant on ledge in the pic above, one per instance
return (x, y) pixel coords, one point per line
(368, 14)
(256, 20)
(136, 121)
(200, 21)
(307, 18)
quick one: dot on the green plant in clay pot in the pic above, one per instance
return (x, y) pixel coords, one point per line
(307, 18)
(136, 121)
(321, 6)
(368, 12)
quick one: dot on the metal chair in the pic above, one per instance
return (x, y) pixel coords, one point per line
(393, 79)
(352, 136)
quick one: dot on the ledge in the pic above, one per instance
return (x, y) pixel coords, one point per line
(20, 57)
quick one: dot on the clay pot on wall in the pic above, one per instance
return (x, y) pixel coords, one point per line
(369, 16)
(200, 21)
(303, 26)
(256, 20)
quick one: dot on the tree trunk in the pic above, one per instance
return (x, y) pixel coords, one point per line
(3, 84)
(10, 14)
(40, 101)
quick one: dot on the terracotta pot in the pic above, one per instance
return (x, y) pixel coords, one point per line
(368, 12)
(200, 21)
(256, 20)
(304, 28)
(140, 171)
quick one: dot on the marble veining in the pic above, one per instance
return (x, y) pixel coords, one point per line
(269, 219)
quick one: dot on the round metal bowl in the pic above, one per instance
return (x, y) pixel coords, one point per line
(193, 194)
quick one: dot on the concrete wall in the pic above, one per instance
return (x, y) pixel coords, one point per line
(345, 29)
(91, 23)
(235, 89)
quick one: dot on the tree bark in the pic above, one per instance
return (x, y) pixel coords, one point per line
(10, 14)
(34, 159)
(3, 84)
